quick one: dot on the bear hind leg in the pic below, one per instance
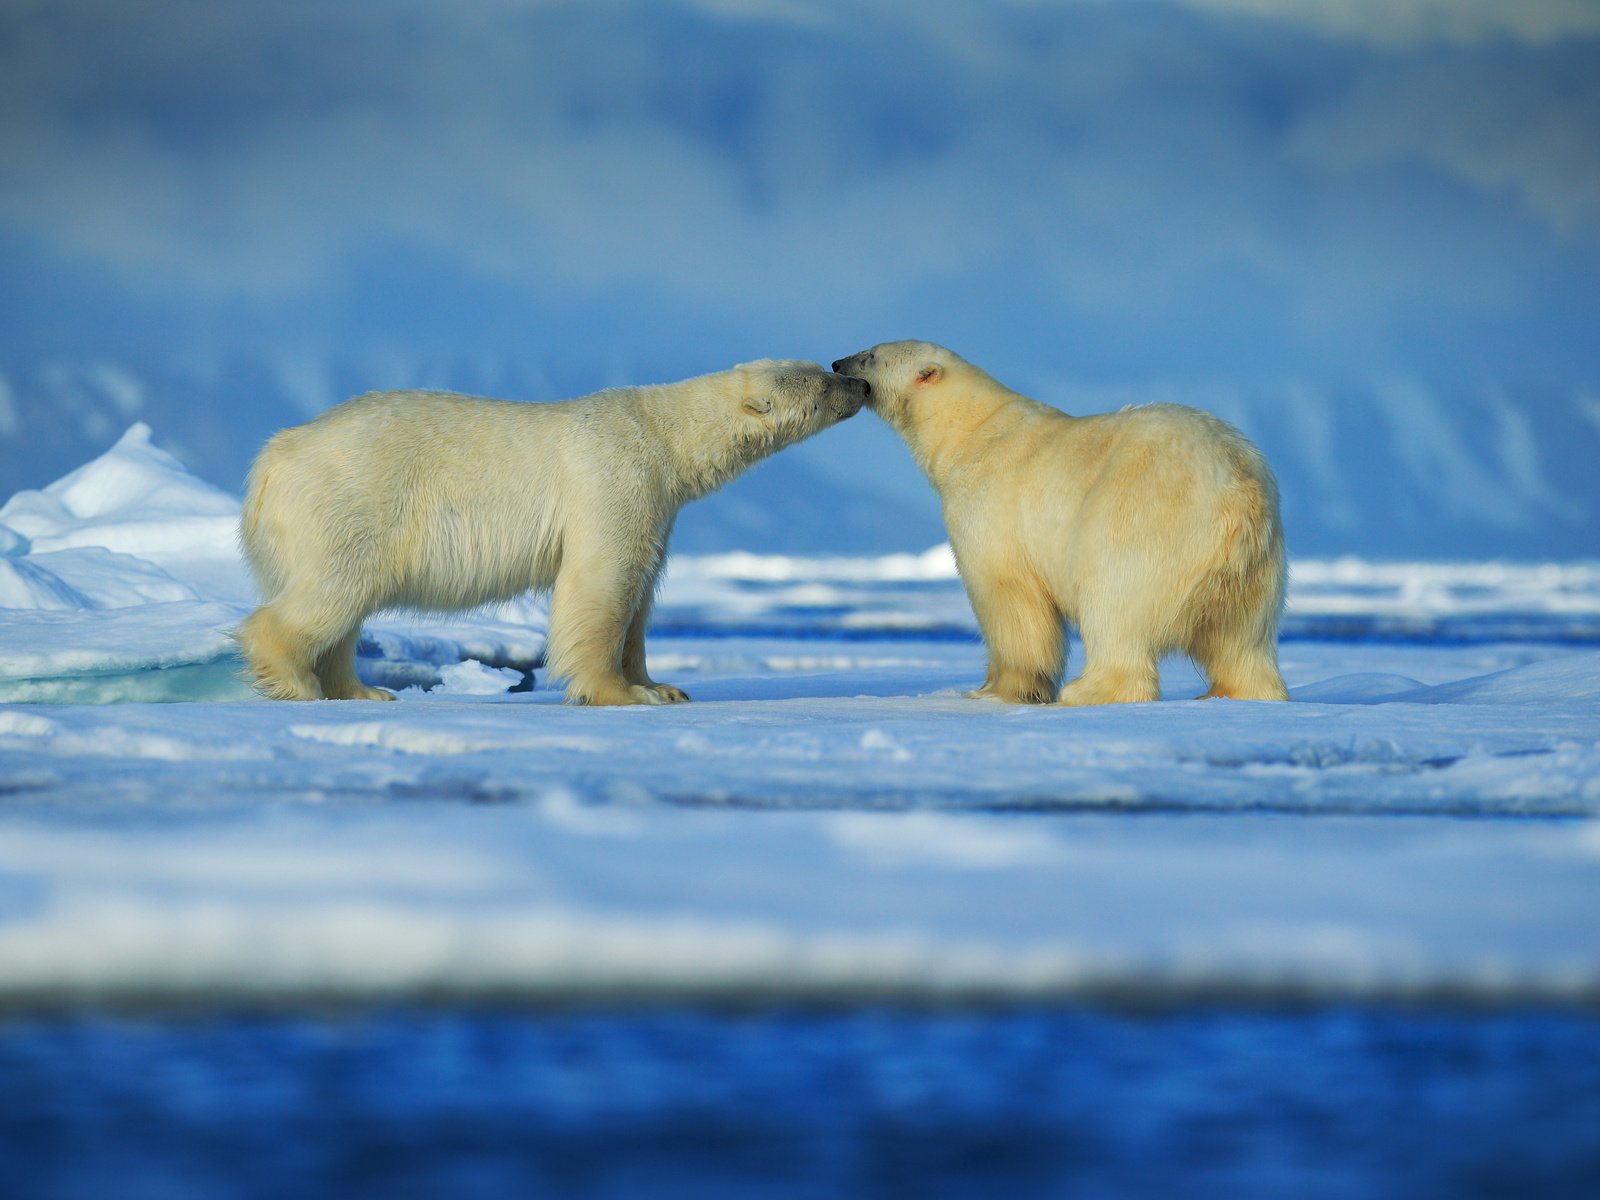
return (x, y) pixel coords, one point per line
(284, 642)
(1240, 668)
(275, 657)
(336, 671)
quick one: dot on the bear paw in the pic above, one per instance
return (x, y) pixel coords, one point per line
(607, 695)
(1010, 689)
(362, 692)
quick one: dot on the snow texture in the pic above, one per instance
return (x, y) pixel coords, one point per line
(830, 819)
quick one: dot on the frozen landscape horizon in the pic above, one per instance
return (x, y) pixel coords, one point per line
(1387, 466)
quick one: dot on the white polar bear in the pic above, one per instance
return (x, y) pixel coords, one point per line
(440, 502)
(1154, 529)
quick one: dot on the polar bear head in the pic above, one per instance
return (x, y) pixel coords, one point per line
(786, 400)
(902, 375)
(718, 425)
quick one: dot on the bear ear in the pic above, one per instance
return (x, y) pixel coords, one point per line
(758, 406)
(929, 373)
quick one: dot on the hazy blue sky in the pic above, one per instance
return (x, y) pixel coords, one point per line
(1211, 187)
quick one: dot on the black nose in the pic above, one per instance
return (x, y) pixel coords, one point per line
(836, 364)
(866, 388)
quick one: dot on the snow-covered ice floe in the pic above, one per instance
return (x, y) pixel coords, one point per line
(830, 819)
(556, 899)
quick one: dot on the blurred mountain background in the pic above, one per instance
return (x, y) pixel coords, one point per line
(1368, 234)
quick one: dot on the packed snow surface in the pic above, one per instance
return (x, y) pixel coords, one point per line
(831, 818)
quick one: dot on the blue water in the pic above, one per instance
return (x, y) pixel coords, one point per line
(1336, 1102)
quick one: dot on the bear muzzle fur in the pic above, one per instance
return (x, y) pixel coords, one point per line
(849, 394)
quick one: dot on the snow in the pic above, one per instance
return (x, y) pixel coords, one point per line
(830, 818)
(473, 678)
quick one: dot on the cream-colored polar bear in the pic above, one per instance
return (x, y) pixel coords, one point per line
(440, 502)
(1154, 529)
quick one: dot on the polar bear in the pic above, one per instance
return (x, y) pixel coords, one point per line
(438, 502)
(1154, 529)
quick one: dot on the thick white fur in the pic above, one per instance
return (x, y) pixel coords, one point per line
(1154, 529)
(440, 502)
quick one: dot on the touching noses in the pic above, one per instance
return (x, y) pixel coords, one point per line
(852, 380)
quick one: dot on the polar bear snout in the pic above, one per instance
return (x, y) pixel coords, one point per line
(861, 365)
(855, 370)
(849, 394)
(856, 392)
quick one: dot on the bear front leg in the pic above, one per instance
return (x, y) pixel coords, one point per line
(633, 662)
(1120, 661)
(1023, 635)
(595, 598)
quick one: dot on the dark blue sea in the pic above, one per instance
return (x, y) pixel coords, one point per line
(664, 1103)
